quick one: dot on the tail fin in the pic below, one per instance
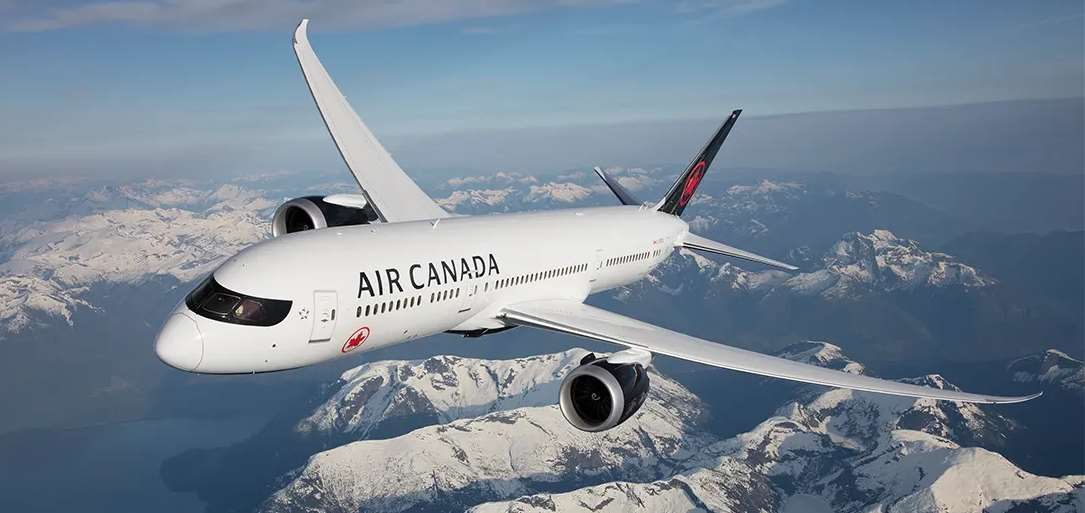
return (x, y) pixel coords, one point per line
(680, 193)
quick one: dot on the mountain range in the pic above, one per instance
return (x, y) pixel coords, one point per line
(835, 450)
(904, 287)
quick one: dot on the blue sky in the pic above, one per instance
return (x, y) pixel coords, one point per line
(87, 81)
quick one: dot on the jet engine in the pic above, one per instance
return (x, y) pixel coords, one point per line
(316, 212)
(603, 392)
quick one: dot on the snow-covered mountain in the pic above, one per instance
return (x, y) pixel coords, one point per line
(832, 450)
(822, 354)
(857, 266)
(436, 390)
(51, 264)
(839, 451)
(911, 472)
(1051, 367)
(495, 455)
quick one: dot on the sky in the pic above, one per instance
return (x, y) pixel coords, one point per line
(211, 86)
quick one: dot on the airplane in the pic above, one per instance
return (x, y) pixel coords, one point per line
(345, 274)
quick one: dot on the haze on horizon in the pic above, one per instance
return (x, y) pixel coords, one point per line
(197, 88)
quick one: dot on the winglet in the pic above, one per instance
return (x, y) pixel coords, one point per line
(303, 27)
(622, 193)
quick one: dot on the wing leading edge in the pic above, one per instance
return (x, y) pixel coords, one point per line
(590, 322)
(391, 193)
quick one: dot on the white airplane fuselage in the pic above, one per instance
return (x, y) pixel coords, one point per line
(357, 288)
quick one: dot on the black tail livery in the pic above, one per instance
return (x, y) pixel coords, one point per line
(676, 199)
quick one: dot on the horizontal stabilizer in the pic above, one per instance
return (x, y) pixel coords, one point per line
(622, 193)
(698, 243)
(576, 318)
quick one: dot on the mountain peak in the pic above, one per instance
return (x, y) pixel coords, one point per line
(1052, 367)
(474, 450)
(371, 398)
(822, 354)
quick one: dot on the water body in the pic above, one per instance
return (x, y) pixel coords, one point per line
(112, 467)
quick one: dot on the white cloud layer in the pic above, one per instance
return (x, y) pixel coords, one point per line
(226, 15)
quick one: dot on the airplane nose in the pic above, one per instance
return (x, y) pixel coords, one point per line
(180, 344)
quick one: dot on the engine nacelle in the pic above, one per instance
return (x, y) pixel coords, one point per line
(600, 394)
(313, 213)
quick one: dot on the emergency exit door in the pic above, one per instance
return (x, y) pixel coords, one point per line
(325, 304)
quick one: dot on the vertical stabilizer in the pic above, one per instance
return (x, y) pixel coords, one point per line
(682, 191)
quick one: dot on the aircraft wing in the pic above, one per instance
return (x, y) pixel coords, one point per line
(586, 321)
(392, 194)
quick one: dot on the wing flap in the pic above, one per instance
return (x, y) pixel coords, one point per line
(392, 194)
(597, 324)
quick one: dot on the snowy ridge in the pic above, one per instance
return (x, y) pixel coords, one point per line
(837, 450)
(858, 265)
(840, 451)
(739, 207)
(51, 264)
(561, 192)
(1051, 367)
(497, 455)
(441, 388)
(881, 262)
(475, 198)
(822, 354)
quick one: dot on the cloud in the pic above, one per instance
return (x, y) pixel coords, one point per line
(726, 8)
(229, 15)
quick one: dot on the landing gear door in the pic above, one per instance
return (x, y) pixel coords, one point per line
(325, 303)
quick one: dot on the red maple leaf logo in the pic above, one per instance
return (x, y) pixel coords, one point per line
(691, 183)
(356, 339)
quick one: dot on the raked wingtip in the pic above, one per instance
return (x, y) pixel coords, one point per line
(299, 32)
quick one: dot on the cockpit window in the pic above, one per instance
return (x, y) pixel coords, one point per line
(216, 302)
